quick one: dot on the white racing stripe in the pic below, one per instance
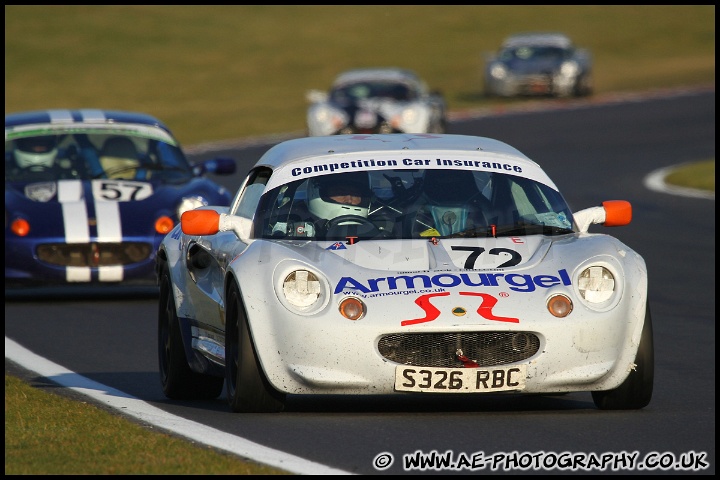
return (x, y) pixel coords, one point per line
(60, 116)
(92, 115)
(109, 229)
(108, 221)
(75, 221)
(77, 274)
(77, 229)
(112, 273)
(75, 217)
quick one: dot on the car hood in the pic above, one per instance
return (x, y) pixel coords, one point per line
(518, 263)
(420, 255)
(103, 210)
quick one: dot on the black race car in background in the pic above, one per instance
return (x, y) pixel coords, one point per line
(539, 64)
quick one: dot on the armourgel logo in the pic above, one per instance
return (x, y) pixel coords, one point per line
(514, 281)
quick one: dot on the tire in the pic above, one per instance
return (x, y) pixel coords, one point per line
(583, 88)
(636, 391)
(248, 389)
(178, 381)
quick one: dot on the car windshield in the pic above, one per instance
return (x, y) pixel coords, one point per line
(353, 92)
(409, 204)
(533, 53)
(93, 154)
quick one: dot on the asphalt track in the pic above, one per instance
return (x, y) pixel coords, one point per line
(518, 127)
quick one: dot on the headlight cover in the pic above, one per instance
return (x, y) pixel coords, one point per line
(410, 115)
(596, 284)
(327, 115)
(569, 68)
(301, 290)
(190, 203)
(498, 71)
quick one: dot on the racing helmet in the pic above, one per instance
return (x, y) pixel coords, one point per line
(330, 196)
(35, 153)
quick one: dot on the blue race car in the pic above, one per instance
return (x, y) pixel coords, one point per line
(90, 194)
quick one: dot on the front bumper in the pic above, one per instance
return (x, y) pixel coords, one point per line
(327, 354)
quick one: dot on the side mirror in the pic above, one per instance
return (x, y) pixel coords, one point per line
(316, 96)
(210, 222)
(612, 213)
(218, 166)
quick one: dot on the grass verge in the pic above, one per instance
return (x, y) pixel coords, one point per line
(49, 434)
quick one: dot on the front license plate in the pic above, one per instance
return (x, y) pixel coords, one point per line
(460, 380)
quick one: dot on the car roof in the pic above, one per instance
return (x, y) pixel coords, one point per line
(377, 73)
(550, 39)
(20, 123)
(300, 149)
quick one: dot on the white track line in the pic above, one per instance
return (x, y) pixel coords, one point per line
(143, 411)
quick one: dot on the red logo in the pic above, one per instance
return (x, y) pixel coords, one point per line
(432, 312)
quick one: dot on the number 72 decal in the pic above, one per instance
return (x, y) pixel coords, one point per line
(475, 252)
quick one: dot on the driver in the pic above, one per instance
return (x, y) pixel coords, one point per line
(332, 196)
(36, 154)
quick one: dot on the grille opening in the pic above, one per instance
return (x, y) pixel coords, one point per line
(440, 349)
(93, 254)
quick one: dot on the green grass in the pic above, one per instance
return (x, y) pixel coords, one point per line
(700, 175)
(48, 434)
(225, 72)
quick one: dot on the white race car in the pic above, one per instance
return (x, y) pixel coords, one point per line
(401, 264)
(376, 100)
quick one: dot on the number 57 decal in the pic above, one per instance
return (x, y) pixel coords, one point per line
(121, 191)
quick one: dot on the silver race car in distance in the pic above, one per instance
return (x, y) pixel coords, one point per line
(538, 64)
(401, 264)
(376, 100)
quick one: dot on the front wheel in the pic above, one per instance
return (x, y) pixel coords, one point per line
(177, 379)
(248, 389)
(636, 391)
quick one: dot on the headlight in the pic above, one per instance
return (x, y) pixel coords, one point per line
(498, 71)
(190, 203)
(569, 68)
(323, 114)
(409, 116)
(330, 116)
(596, 284)
(301, 288)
